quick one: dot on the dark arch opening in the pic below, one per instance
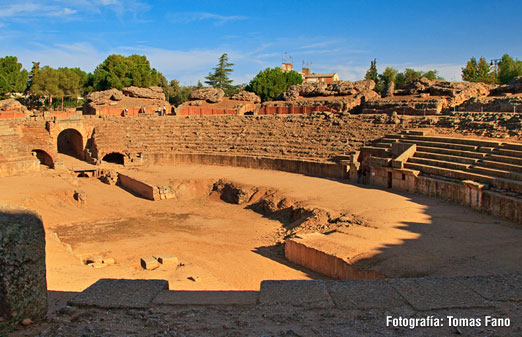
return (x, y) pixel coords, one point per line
(44, 158)
(114, 157)
(70, 142)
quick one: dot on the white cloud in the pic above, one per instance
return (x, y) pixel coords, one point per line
(186, 66)
(186, 17)
(80, 55)
(30, 9)
(68, 8)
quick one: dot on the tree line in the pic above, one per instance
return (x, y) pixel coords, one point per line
(399, 79)
(495, 72)
(49, 86)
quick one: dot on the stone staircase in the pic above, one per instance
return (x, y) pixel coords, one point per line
(495, 163)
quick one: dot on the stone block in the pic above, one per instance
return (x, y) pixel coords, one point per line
(149, 263)
(302, 293)
(437, 293)
(364, 294)
(23, 285)
(116, 293)
(209, 297)
(495, 287)
(166, 259)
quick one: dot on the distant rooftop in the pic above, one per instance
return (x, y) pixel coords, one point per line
(314, 75)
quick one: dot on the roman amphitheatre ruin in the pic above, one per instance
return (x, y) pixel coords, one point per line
(220, 194)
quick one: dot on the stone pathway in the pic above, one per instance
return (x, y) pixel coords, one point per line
(392, 307)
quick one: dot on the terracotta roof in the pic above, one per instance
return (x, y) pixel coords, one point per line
(321, 75)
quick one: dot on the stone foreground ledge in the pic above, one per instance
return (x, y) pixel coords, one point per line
(419, 294)
(23, 285)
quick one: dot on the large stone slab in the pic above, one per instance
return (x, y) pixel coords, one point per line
(23, 285)
(206, 298)
(437, 293)
(495, 287)
(115, 293)
(364, 294)
(297, 293)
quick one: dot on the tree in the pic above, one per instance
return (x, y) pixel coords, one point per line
(478, 71)
(62, 82)
(45, 83)
(118, 71)
(180, 93)
(219, 78)
(12, 77)
(272, 82)
(508, 69)
(372, 73)
(387, 77)
(409, 75)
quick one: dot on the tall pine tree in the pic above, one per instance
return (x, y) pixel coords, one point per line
(219, 78)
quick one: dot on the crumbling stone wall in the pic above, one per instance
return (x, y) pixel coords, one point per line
(23, 286)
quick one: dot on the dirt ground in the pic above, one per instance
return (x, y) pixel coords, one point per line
(224, 246)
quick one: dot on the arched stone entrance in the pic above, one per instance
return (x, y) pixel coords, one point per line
(115, 158)
(70, 142)
(44, 157)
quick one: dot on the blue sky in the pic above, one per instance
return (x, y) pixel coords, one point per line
(183, 39)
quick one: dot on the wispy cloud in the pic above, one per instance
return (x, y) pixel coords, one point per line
(219, 20)
(68, 8)
(30, 9)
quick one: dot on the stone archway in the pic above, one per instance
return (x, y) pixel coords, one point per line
(70, 142)
(44, 157)
(114, 157)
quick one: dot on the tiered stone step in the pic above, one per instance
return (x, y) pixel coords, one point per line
(458, 153)
(439, 163)
(496, 172)
(445, 157)
(433, 144)
(500, 165)
(502, 183)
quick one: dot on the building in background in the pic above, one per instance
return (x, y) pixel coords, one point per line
(310, 77)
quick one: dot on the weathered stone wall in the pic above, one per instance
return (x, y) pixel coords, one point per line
(140, 188)
(23, 287)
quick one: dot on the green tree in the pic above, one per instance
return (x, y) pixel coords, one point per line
(118, 71)
(180, 93)
(478, 71)
(272, 82)
(470, 72)
(52, 83)
(372, 74)
(35, 69)
(508, 69)
(12, 77)
(484, 73)
(387, 77)
(45, 83)
(219, 78)
(409, 75)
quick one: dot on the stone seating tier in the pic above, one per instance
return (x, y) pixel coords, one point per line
(495, 163)
(295, 138)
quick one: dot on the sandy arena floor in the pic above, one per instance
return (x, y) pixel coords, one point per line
(225, 246)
